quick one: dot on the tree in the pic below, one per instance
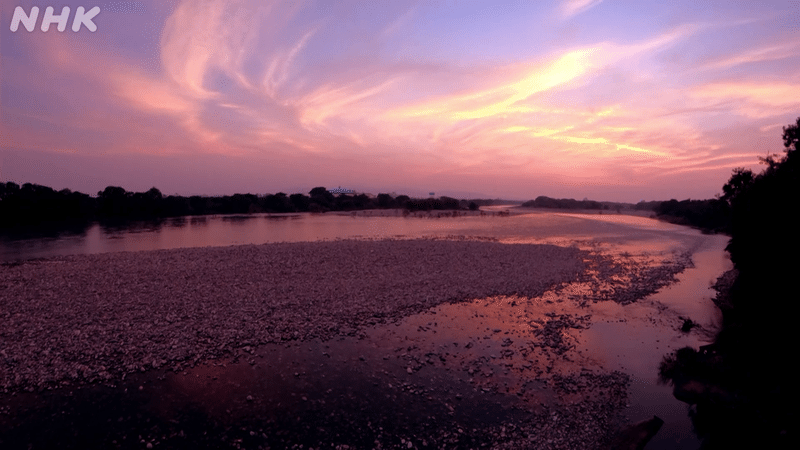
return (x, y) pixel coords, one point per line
(764, 223)
(740, 181)
(749, 399)
(791, 137)
(8, 189)
(113, 201)
(322, 197)
(300, 202)
(154, 194)
(385, 200)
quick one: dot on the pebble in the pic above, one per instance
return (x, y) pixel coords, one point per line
(94, 307)
(102, 295)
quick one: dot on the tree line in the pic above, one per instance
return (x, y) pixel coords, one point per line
(35, 204)
(563, 203)
(711, 214)
(744, 385)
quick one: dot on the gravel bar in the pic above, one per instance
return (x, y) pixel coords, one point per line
(80, 319)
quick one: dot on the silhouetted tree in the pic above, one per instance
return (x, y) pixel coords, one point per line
(362, 201)
(711, 215)
(300, 202)
(385, 201)
(740, 181)
(401, 200)
(198, 205)
(563, 203)
(749, 396)
(344, 202)
(322, 197)
(113, 202)
(279, 202)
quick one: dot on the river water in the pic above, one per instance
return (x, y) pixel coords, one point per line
(211, 231)
(631, 338)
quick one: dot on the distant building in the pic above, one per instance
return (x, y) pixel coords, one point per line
(341, 190)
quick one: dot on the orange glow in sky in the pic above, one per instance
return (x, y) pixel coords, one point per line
(611, 100)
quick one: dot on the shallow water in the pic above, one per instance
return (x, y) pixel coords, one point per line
(211, 231)
(634, 338)
(462, 367)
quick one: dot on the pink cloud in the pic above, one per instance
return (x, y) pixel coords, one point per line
(278, 84)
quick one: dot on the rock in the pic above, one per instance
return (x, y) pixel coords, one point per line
(275, 306)
(691, 391)
(636, 436)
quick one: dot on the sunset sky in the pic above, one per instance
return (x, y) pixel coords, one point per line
(605, 99)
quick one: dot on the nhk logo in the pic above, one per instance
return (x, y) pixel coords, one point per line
(82, 17)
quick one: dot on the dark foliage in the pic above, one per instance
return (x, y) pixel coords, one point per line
(711, 215)
(428, 204)
(563, 203)
(35, 205)
(401, 200)
(647, 206)
(744, 384)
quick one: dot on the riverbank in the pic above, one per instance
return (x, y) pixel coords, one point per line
(118, 332)
(97, 317)
(741, 386)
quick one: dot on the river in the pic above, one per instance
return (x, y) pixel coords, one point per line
(631, 338)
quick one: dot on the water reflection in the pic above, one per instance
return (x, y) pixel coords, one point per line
(456, 376)
(45, 231)
(223, 230)
(433, 364)
(27, 243)
(237, 219)
(206, 231)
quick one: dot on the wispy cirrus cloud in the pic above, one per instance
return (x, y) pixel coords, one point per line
(756, 55)
(570, 8)
(752, 98)
(395, 89)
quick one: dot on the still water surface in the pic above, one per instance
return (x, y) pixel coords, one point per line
(211, 231)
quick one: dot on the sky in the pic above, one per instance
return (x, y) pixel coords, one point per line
(601, 99)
